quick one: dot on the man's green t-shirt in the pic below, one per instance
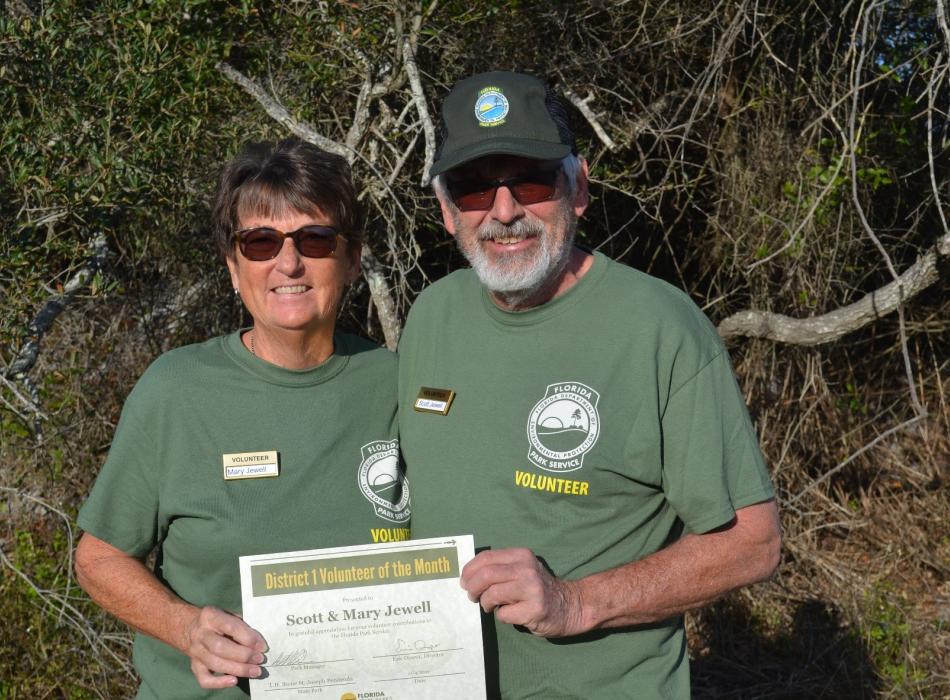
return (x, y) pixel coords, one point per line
(595, 430)
(163, 484)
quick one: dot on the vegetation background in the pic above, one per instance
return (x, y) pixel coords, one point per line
(777, 159)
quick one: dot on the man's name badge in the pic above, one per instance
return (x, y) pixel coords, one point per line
(250, 465)
(432, 400)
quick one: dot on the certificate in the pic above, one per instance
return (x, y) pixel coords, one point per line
(379, 621)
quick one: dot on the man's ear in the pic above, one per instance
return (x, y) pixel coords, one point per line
(448, 216)
(581, 194)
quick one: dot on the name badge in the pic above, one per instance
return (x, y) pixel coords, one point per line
(432, 400)
(250, 465)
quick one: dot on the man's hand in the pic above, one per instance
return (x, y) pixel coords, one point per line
(518, 588)
(222, 647)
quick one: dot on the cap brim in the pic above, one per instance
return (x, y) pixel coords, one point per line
(539, 150)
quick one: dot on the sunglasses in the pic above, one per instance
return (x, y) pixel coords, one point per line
(479, 195)
(264, 243)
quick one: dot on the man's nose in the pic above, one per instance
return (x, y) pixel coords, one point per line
(506, 208)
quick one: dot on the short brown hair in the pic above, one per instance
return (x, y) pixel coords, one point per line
(266, 179)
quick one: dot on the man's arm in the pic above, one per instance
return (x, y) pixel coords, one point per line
(216, 641)
(693, 571)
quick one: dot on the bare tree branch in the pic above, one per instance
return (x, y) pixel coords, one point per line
(382, 298)
(419, 100)
(931, 89)
(859, 208)
(360, 115)
(942, 21)
(281, 115)
(654, 109)
(834, 324)
(583, 106)
(47, 315)
(841, 465)
(26, 401)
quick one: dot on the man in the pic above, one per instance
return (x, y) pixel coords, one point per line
(579, 417)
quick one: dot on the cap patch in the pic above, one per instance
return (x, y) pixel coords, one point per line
(491, 107)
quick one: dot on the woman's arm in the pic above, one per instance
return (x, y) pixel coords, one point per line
(216, 641)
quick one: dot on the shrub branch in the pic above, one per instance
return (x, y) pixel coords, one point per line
(834, 324)
(43, 321)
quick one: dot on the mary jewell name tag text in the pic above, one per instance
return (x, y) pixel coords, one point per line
(251, 465)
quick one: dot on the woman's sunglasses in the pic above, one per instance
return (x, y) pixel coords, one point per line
(264, 243)
(479, 195)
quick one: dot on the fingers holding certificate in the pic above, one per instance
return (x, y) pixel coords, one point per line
(386, 621)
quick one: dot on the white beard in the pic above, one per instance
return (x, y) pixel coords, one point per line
(517, 276)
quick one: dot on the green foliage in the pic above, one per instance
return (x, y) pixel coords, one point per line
(34, 585)
(829, 183)
(853, 400)
(889, 638)
(45, 564)
(106, 129)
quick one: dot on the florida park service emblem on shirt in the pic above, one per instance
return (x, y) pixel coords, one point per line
(382, 482)
(563, 426)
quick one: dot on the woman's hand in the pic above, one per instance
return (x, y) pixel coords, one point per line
(222, 648)
(216, 641)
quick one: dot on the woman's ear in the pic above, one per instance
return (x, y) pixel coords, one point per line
(353, 253)
(233, 271)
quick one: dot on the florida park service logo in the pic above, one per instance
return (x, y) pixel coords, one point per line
(563, 426)
(381, 481)
(491, 107)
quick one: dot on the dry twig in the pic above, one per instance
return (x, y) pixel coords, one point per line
(834, 324)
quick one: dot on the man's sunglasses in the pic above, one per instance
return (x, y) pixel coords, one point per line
(479, 195)
(264, 243)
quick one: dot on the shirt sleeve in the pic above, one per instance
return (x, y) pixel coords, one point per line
(123, 506)
(712, 464)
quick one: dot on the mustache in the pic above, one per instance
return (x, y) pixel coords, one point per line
(522, 228)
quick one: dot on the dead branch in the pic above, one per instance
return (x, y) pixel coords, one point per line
(279, 113)
(360, 115)
(583, 106)
(931, 107)
(942, 21)
(841, 465)
(834, 324)
(419, 99)
(859, 208)
(26, 401)
(651, 112)
(43, 321)
(382, 297)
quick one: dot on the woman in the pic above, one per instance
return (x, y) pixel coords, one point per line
(288, 397)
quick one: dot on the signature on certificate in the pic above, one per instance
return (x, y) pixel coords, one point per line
(414, 646)
(289, 658)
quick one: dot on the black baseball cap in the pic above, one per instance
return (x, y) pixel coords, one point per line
(501, 113)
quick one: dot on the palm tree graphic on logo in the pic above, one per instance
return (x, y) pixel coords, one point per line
(562, 426)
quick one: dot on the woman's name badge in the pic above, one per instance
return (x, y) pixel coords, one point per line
(250, 465)
(432, 400)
